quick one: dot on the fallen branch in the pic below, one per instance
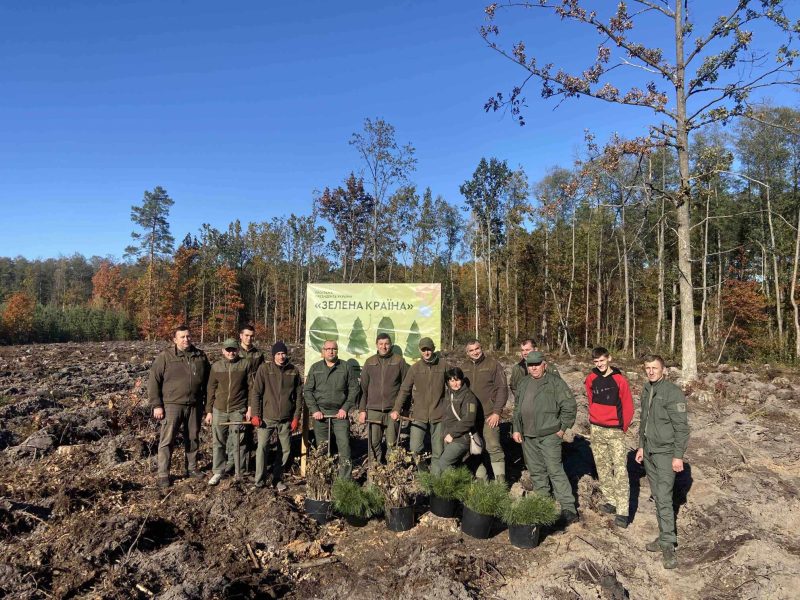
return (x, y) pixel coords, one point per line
(315, 563)
(253, 556)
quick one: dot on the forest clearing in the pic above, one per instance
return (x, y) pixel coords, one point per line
(81, 516)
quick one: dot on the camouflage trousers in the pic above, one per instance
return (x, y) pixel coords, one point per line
(611, 457)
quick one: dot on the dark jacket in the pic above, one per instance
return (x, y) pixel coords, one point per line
(228, 384)
(178, 377)
(327, 389)
(381, 377)
(425, 382)
(610, 400)
(275, 393)
(665, 425)
(465, 405)
(254, 356)
(487, 380)
(554, 407)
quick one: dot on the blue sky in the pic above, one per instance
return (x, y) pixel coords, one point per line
(243, 109)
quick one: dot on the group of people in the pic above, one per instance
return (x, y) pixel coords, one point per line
(459, 410)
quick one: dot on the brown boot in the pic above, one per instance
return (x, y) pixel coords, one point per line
(668, 558)
(653, 546)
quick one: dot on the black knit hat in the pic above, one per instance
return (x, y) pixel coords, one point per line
(279, 347)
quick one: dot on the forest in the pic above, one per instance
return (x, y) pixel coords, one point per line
(585, 256)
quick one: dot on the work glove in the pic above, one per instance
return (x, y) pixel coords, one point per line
(295, 424)
(255, 421)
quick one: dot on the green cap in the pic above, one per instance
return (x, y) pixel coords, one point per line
(534, 358)
(426, 342)
(230, 343)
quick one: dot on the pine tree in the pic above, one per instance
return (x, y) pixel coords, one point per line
(155, 241)
(357, 344)
(412, 342)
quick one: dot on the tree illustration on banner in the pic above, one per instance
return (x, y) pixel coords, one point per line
(357, 344)
(412, 342)
(322, 329)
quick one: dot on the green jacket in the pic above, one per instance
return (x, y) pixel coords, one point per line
(381, 377)
(554, 407)
(275, 393)
(487, 380)
(520, 370)
(327, 389)
(664, 426)
(178, 377)
(425, 382)
(228, 384)
(255, 357)
(465, 405)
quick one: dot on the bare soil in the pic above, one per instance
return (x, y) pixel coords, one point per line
(80, 516)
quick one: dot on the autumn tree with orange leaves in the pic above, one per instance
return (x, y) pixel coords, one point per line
(18, 317)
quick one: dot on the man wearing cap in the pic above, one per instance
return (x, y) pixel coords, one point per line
(226, 402)
(425, 381)
(545, 409)
(176, 389)
(330, 391)
(663, 437)
(275, 410)
(487, 380)
(381, 377)
(520, 369)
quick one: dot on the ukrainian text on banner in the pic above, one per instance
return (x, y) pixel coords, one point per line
(354, 314)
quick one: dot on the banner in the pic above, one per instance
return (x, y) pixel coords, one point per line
(354, 314)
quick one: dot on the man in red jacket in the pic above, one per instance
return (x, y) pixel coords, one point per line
(610, 414)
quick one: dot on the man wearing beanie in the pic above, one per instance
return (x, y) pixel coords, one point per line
(381, 377)
(425, 379)
(275, 410)
(226, 402)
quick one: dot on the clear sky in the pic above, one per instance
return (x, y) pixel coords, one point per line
(243, 109)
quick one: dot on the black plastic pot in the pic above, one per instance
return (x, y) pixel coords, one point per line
(476, 525)
(523, 536)
(444, 508)
(319, 510)
(400, 519)
(356, 521)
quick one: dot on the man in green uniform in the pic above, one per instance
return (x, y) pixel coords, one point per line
(275, 409)
(663, 436)
(226, 402)
(425, 381)
(177, 390)
(381, 376)
(487, 380)
(248, 350)
(520, 369)
(545, 409)
(331, 390)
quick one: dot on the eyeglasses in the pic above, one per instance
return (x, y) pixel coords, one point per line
(331, 349)
(535, 364)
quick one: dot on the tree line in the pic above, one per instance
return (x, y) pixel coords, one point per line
(586, 256)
